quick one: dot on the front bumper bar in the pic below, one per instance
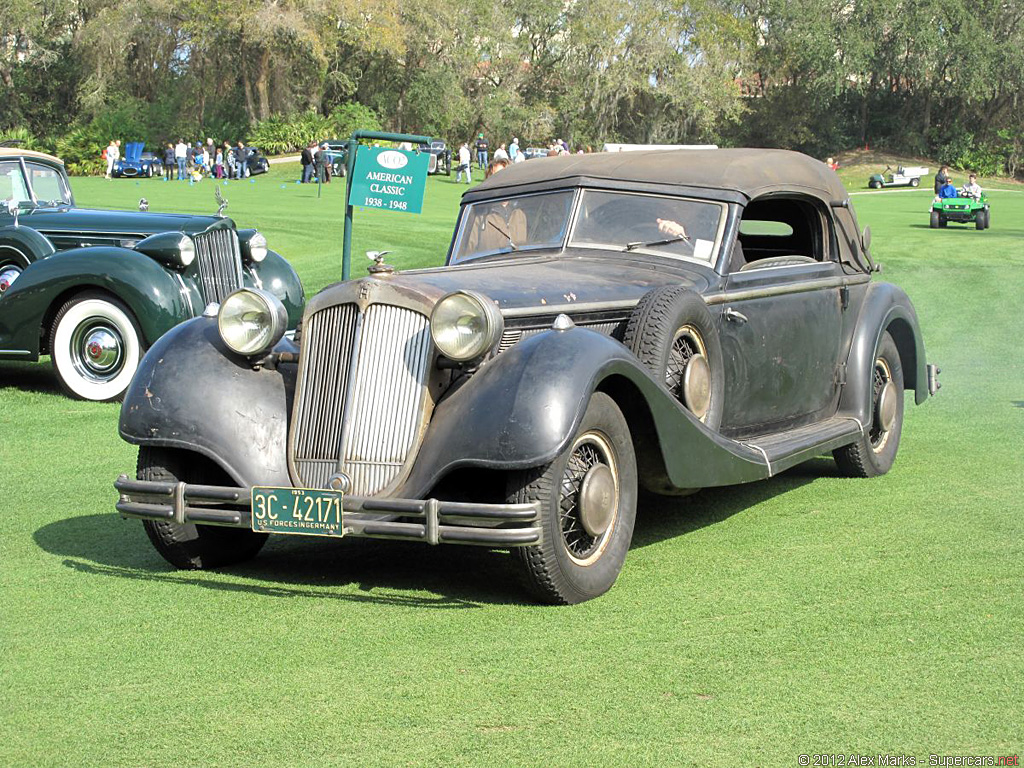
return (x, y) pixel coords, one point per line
(428, 520)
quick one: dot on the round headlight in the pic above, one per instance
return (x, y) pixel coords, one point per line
(186, 250)
(257, 248)
(251, 321)
(465, 325)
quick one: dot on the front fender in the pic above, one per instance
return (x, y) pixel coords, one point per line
(148, 289)
(191, 392)
(523, 408)
(25, 243)
(886, 307)
(276, 275)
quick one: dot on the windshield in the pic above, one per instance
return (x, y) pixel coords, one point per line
(12, 184)
(667, 225)
(514, 224)
(48, 185)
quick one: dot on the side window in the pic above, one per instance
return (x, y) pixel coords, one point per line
(12, 183)
(777, 232)
(47, 184)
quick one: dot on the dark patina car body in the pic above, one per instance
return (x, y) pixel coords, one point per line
(95, 288)
(440, 157)
(666, 320)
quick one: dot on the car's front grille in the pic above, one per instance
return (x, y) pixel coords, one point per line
(361, 402)
(220, 263)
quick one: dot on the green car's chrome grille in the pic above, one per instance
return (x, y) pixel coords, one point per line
(360, 404)
(220, 263)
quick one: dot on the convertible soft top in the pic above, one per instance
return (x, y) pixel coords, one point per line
(749, 172)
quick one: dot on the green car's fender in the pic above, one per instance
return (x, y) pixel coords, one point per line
(277, 276)
(150, 290)
(23, 245)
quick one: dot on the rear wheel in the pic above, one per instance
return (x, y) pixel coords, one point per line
(588, 508)
(96, 346)
(874, 184)
(190, 546)
(914, 182)
(874, 453)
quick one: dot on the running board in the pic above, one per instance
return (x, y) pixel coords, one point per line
(783, 450)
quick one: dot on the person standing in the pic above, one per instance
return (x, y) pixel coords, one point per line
(168, 159)
(513, 150)
(218, 164)
(113, 155)
(465, 164)
(501, 154)
(180, 153)
(941, 178)
(482, 148)
(306, 158)
(241, 161)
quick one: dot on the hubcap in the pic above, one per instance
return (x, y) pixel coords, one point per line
(8, 275)
(588, 498)
(688, 373)
(885, 404)
(97, 351)
(597, 499)
(885, 412)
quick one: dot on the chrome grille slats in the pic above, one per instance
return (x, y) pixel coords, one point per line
(219, 262)
(384, 414)
(360, 408)
(331, 334)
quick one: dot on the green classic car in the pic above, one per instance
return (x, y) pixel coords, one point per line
(961, 209)
(95, 288)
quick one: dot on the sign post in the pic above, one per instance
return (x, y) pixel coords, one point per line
(386, 179)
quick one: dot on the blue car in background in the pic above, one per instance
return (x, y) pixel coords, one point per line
(135, 162)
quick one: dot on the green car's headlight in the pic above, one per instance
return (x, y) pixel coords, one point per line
(172, 248)
(465, 325)
(251, 321)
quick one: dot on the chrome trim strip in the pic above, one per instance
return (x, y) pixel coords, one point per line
(764, 455)
(14, 352)
(555, 309)
(350, 386)
(783, 290)
(185, 293)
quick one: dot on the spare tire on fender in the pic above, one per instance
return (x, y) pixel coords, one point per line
(673, 334)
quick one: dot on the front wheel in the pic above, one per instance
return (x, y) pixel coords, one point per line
(874, 453)
(588, 508)
(914, 182)
(933, 222)
(95, 345)
(189, 546)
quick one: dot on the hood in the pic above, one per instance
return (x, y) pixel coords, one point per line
(133, 151)
(65, 226)
(554, 284)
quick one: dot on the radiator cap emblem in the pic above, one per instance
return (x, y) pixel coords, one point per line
(339, 482)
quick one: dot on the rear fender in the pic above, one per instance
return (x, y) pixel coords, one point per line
(523, 408)
(192, 393)
(885, 308)
(149, 290)
(24, 244)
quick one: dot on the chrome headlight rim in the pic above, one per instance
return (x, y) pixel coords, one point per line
(265, 315)
(481, 309)
(186, 250)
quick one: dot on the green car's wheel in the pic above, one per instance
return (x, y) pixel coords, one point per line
(12, 263)
(190, 546)
(933, 222)
(874, 453)
(981, 220)
(95, 345)
(942, 220)
(588, 506)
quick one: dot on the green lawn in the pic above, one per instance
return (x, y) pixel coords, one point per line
(806, 614)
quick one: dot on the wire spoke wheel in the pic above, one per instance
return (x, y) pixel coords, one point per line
(582, 516)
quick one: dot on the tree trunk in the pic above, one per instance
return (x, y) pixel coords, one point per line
(250, 108)
(263, 84)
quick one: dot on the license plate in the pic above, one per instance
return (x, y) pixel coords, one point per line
(304, 511)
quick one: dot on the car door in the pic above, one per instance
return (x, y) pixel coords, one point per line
(781, 323)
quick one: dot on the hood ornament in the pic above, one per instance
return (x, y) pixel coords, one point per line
(12, 208)
(379, 267)
(143, 204)
(222, 203)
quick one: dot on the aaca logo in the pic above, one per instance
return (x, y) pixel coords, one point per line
(392, 159)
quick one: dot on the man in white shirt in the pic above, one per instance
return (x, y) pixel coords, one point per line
(179, 157)
(971, 188)
(464, 164)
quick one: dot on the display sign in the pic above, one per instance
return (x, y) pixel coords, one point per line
(389, 179)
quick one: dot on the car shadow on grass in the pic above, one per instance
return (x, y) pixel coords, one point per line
(384, 572)
(29, 377)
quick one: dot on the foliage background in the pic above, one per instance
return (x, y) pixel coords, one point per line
(943, 78)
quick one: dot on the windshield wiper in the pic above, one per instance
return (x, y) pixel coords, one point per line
(504, 234)
(653, 243)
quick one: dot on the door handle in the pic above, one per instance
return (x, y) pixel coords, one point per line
(734, 316)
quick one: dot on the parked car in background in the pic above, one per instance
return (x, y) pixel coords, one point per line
(95, 288)
(531, 153)
(901, 177)
(135, 162)
(668, 320)
(258, 162)
(337, 153)
(440, 157)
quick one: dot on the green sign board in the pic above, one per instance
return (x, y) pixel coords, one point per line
(389, 179)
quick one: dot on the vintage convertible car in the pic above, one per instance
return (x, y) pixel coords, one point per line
(93, 288)
(440, 157)
(258, 162)
(670, 320)
(135, 162)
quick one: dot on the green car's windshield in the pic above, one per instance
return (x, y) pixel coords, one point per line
(12, 184)
(47, 184)
(514, 224)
